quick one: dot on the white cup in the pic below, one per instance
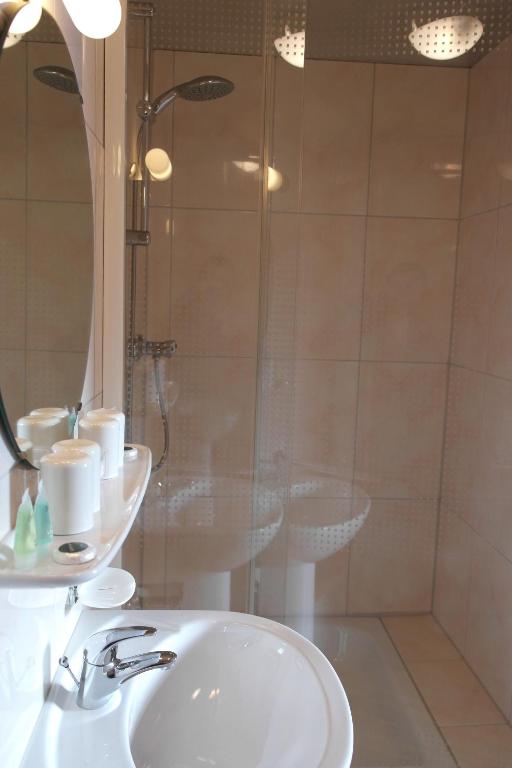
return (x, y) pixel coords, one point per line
(68, 478)
(94, 451)
(103, 430)
(42, 431)
(99, 413)
(62, 414)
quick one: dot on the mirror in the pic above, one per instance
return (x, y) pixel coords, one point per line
(46, 237)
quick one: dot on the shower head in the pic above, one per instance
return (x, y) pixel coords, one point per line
(204, 88)
(60, 78)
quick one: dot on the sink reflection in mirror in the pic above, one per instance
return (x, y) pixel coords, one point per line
(323, 514)
(210, 536)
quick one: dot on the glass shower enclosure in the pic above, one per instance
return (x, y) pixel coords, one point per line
(338, 402)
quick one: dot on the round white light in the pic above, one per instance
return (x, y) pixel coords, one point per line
(158, 164)
(95, 18)
(134, 173)
(27, 18)
(446, 38)
(291, 47)
(274, 179)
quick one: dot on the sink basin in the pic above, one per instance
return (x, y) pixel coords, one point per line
(245, 692)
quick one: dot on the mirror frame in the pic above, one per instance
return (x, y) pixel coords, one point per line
(8, 11)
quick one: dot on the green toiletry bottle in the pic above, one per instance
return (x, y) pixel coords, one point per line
(44, 531)
(25, 534)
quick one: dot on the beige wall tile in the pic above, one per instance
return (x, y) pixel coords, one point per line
(418, 134)
(329, 293)
(400, 427)
(477, 478)
(463, 440)
(480, 745)
(474, 291)
(420, 638)
(409, 287)
(483, 159)
(13, 271)
(54, 378)
(215, 277)
(58, 160)
(212, 422)
(59, 269)
(159, 274)
(281, 286)
(392, 558)
(325, 413)
(453, 573)
(489, 637)
(12, 383)
(453, 693)
(506, 143)
(489, 83)
(287, 134)
(499, 359)
(13, 131)
(160, 192)
(337, 126)
(210, 137)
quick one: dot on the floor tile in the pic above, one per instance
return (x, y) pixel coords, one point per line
(453, 694)
(420, 638)
(481, 746)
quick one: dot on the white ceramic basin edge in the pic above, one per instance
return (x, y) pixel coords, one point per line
(245, 692)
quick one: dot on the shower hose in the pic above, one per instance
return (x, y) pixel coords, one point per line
(163, 414)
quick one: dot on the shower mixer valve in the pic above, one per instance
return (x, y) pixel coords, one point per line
(141, 347)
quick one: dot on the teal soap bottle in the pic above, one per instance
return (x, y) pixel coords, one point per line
(25, 534)
(44, 531)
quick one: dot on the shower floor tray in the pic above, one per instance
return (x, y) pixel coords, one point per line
(392, 727)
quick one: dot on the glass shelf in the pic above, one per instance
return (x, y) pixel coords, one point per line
(121, 498)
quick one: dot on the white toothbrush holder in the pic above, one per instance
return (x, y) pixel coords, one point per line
(100, 413)
(68, 478)
(103, 430)
(42, 431)
(94, 451)
(62, 414)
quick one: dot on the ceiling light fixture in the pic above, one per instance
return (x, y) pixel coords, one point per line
(291, 46)
(447, 38)
(95, 18)
(26, 18)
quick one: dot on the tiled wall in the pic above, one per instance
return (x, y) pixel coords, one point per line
(369, 214)
(199, 283)
(357, 299)
(473, 596)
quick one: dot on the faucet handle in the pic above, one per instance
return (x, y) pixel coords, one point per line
(101, 647)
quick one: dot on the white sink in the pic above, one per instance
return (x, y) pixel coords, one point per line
(245, 692)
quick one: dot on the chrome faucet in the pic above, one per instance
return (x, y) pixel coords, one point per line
(103, 672)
